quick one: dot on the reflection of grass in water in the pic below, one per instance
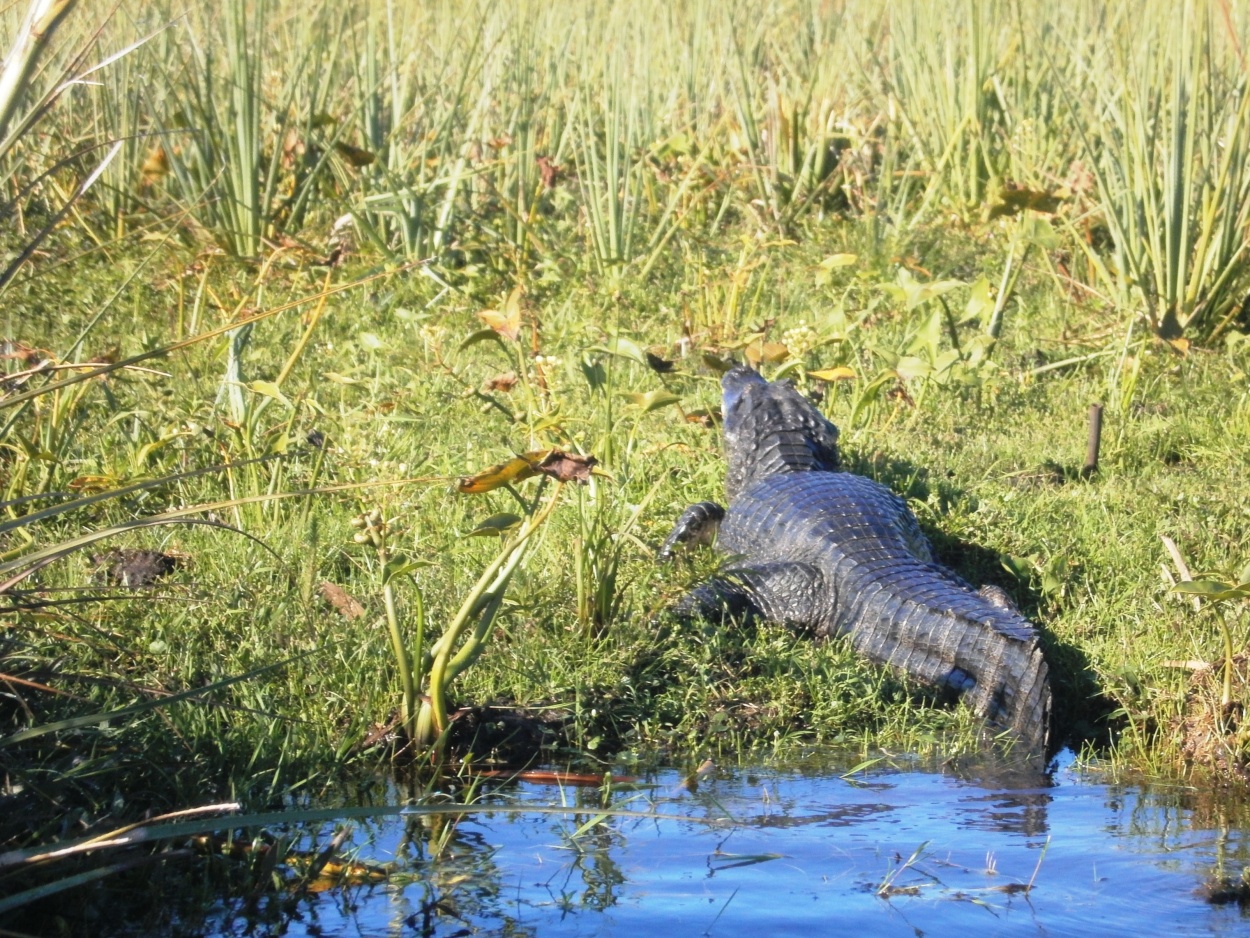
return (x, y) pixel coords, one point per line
(890, 886)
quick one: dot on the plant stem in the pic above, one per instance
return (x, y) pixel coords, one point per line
(1226, 692)
(481, 606)
(407, 684)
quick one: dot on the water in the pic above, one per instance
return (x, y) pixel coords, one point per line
(892, 851)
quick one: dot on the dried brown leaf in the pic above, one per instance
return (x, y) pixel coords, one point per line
(505, 382)
(354, 155)
(134, 567)
(548, 171)
(704, 417)
(567, 467)
(347, 605)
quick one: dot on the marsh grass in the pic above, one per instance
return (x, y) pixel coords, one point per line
(633, 194)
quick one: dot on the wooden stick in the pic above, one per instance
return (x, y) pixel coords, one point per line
(1095, 440)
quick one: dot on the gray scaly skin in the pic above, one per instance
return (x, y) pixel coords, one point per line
(831, 553)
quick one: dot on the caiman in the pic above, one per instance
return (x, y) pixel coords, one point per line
(828, 552)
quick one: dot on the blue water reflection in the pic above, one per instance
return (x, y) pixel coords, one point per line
(762, 851)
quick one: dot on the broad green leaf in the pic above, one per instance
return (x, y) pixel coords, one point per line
(594, 373)
(912, 293)
(621, 347)
(1019, 567)
(839, 260)
(496, 525)
(792, 367)
(547, 422)
(398, 566)
(1040, 232)
(268, 389)
(824, 273)
(653, 400)
(929, 338)
(978, 347)
(481, 335)
(945, 361)
(980, 303)
(911, 368)
(1214, 590)
(870, 393)
(338, 378)
(146, 451)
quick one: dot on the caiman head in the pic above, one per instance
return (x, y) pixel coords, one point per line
(770, 429)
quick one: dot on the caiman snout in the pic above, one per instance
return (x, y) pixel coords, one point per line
(734, 386)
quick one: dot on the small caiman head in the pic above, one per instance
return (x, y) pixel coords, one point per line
(771, 428)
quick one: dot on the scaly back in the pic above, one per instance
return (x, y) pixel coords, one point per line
(771, 429)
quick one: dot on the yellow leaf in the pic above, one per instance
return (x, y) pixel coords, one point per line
(89, 485)
(1181, 344)
(771, 352)
(156, 165)
(516, 469)
(338, 378)
(506, 322)
(841, 373)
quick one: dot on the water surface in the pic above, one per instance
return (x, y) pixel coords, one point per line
(893, 850)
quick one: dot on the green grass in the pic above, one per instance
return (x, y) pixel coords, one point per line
(723, 181)
(970, 458)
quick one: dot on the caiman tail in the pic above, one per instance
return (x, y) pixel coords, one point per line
(919, 618)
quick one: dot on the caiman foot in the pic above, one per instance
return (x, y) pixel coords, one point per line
(698, 524)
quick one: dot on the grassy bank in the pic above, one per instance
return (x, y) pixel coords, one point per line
(956, 224)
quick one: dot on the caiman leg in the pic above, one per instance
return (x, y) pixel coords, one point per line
(771, 591)
(698, 524)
